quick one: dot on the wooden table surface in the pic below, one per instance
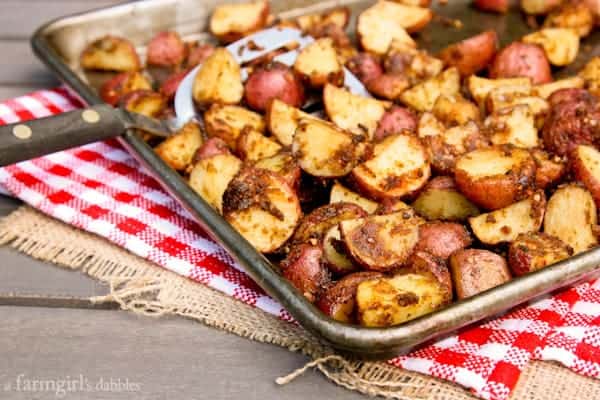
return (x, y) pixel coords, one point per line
(166, 358)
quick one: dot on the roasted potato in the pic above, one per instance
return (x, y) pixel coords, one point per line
(388, 86)
(313, 227)
(560, 44)
(441, 239)
(179, 149)
(340, 194)
(441, 200)
(422, 96)
(395, 120)
(110, 53)
(550, 169)
(507, 97)
(352, 112)
(262, 207)
(571, 217)
(126, 82)
(497, 6)
(219, 80)
(513, 125)
(323, 150)
(384, 23)
(318, 64)
(471, 55)
(282, 120)
(480, 88)
(399, 166)
(591, 75)
(338, 17)
(495, 177)
(169, 86)
(230, 22)
(505, 224)
(533, 251)
(339, 299)
(585, 164)
(474, 271)
(166, 49)
(273, 81)
(198, 53)
(426, 263)
(545, 91)
(392, 301)
(335, 254)
(285, 165)
(227, 122)
(455, 110)
(145, 102)
(573, 15)
(365, 66)
(522, 60)
(392, 206)
(539, 6)
(381, 242)
(213, 146)
(303, 268)
(253, 145)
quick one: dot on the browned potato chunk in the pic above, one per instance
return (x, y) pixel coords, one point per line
(270, 82)
(115, 88)
(211, 175)
(550, 169)
(441, 239)
(110, 53)
(591, 75)
(480, 88)
(318, 64)
(324, 150)
(145, 102)
(352, 112)
(338, 16)
(392, 301)
(384, 23)
(474, 271)
(166, 49)
(497, 6)
(315, 225)
(339, 194)
(573, 15)
(495, 177)
(455, 110)
(169, 86)
(571, 217)
(213, 146)
(282, 120)
(513, 125)
(396, 120)
(560, 44)
(585, 163)
(285, 165)
(198, 53)
(381, 242)
(230, 22)
(227, 122)
(253, 145)
(335, 254)
(339, 300)
(426, 263)
(219, 80)
(422, 96)
(545, 91)
(178, 150)
(303, 268)
(473, 54)
(365, 66)
(440, 200)
(399, 166)
(416, 65)
(505, 224)
(539, 6)
(262, 207)
(507, 96)
(388, 86)
(534, 251)
(521, 60)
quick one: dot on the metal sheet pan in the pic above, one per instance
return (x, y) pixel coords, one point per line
(60, 42)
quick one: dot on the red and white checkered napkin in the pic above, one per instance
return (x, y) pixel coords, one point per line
(100, 188)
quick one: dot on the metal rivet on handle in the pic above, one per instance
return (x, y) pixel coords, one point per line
(22, 131)
(90, 116)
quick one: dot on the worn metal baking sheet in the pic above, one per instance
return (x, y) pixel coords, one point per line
(60, 42)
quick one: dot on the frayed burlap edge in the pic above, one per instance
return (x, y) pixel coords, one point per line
(145, 288)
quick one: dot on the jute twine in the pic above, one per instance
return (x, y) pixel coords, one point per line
(145, 288)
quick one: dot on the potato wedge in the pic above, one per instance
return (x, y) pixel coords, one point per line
(381, 242)
(340, 194)
(253, 146)
(571, 217)
(211, 147)
(506, 97)
(585, 164)
(352, 112)
(505, 224)
(425, 263)
(392, 301)
(534, 7)
(513, 125)
(323, 150)
(303, 268)
(416, 65)
(383, 24)
(591, 75)
(179, 149)
(560, 44)
(285, 165)
(474, 271)
(227, 122)
(210, 177)
(520, 59)
(573, 15)
(230, 22)
(441, 239)
(145, 102)
(422, 96)
(313, 227)
(335, 253)
(318, 64)
(113, 90)
(219, 80)
(338, 16)
(388, 86)
(545, 91)
(480, 88)
(441, 200)
(365, 66)
(534, 251)
(550, 169)
(262, 207)
(399, 166)
(282, 121)
(396, 120)
(495, 177)
(472, 54)
(165, 49)
(273, 81)
(110, 53)
(455, 110)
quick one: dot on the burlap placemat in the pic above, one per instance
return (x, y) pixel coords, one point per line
(145, 288)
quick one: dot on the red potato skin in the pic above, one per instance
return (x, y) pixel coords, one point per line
(116, 87)
(198, 53)
(396, 120)
(335, 32)
(476, 270)
(316, 224)
(441, 183)
(170, 85)
(214, 146)
(585, 176)
(424, 262)
(274, 81)
(496, 6)
(365, 67)
(522, 252)
(471, 55)
(388, 86)
(166, 49)
(550, 169)
(522, 60)
(441, 239)
(131, 99)
(303, 268)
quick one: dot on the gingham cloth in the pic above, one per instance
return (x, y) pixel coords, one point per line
(100, 188)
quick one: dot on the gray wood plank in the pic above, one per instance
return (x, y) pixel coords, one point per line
(21, 67)
(164, 358)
